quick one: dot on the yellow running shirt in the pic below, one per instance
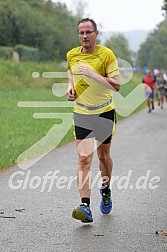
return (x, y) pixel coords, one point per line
(89, 93)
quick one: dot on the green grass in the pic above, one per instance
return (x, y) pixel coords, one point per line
(127, 88)
(18, 129)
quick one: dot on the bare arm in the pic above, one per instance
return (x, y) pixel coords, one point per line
(70, 89)
(111, 83)
(114, 82)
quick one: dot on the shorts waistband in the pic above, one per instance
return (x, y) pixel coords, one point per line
(94, 107)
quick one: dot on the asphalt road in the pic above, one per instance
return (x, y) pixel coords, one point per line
(40, 221)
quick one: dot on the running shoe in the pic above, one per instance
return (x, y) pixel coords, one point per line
(82, 213)
(106, 202)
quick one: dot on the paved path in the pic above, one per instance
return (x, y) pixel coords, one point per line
(31, 220)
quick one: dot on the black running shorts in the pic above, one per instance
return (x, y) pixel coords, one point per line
(98, 126)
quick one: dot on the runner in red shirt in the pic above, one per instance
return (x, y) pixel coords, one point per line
(149, 79)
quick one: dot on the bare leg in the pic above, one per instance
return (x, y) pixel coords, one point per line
(162, 101)
(85, 154)
(105, 162)
(149, 104)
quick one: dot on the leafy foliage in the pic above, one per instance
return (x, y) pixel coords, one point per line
(6, 52)
(164, 7)
(153, 51)
(49, 27)
(120, 47)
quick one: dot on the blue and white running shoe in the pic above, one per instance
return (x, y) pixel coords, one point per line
(82, 213)
(106, 202)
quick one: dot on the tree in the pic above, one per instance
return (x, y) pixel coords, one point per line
(45, 25)
(145, 50)
(119, 45)
(153, 51)
(157, 57)
(79, 10)
(164, 7)
(7, 25)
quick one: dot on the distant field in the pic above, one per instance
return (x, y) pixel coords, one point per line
(18, 129)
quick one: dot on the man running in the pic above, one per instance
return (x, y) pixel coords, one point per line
(93, 75)
(149, 79)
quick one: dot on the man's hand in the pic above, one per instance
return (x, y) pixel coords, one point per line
(86, 71)
(70, 92)
(70, 89)
(112, 83)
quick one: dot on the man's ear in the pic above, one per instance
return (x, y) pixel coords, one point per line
(97, 33)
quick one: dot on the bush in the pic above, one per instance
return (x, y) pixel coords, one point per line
(27, 53)
(14, 76)
(6, 52)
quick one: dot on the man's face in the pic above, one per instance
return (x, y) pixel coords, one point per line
(148, 72)
(87, 34)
